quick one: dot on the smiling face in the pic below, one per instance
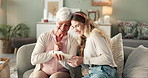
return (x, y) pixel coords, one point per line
(78, 27)
(63, 27)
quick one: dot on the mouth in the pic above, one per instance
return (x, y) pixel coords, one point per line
(61, 30)
(79, 32)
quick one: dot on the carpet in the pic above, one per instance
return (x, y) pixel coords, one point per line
(12, 64)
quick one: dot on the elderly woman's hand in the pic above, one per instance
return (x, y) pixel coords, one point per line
(57, 46)
(75, 61)
(58, 56)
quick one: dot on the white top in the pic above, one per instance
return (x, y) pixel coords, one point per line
(97, 51)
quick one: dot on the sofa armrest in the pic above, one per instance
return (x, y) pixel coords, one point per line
(23, 59)
(127, 52)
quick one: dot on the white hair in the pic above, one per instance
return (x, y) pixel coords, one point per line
(64, 14)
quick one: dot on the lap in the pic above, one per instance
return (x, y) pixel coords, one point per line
(102, 72)
(41, 74)
(60, 75)
(38, 74)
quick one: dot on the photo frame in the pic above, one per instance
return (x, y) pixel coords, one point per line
(93, 14)
(50, 9)
(101, 2)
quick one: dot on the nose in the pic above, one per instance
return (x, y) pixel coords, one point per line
(76, 29)
(62, 26)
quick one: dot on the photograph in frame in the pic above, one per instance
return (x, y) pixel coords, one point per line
(101, 2)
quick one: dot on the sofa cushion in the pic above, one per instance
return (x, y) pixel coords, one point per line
(137, 63)
(117, 49)
(128, 29)
(142, 29)
(27, 73)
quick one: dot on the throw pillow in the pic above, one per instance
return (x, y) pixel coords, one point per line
(142, 29)
(128, 29)
(136, 65)
(117, 49)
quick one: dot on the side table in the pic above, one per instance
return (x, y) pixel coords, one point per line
(4, 68)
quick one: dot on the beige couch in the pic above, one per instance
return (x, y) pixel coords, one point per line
(24, 67)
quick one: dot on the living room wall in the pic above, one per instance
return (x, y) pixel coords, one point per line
(122, 10)
(31, 11)
(25, 11)
(3, 13)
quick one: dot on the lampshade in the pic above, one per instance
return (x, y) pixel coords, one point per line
(107, 10)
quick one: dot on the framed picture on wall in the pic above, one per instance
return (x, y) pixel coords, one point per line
(101, 2)
(93, 14)
(50, 8)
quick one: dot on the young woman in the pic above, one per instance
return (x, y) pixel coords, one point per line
(95, 48)
(45, 54)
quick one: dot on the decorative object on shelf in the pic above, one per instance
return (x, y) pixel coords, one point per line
(100, 21)
(101, 2)
(107, 11)
(50, 9)
(95, 14)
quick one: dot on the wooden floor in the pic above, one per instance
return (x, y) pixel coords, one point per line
(12, 64)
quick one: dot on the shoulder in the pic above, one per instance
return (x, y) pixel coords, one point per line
(96, 36)
(95, 33)
(72, 38)
(44, 36)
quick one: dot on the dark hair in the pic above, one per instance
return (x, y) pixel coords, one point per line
(79, 16)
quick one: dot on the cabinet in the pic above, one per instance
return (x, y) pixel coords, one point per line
(106, 28)
(43, 27)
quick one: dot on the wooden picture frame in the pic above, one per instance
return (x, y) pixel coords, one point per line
(95, 14)
(50, 8)
(101, 2)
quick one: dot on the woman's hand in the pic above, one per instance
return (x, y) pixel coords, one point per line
(59, 57)
(75, 61)
(57, 46)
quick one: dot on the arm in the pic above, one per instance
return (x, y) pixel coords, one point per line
(39, 56)
(102, 54)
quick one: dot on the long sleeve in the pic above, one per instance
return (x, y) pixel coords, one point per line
(97, 51)
(38, 55)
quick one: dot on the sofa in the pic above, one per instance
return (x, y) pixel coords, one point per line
(24, 66)
(134, 33)
(135, 42)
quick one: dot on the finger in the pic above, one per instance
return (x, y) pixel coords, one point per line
(69, 61)
(76, 57)
(60, 57)
(56, 56)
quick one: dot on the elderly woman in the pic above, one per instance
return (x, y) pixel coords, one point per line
(46, 57)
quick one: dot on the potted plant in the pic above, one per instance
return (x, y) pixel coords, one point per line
(8, 32)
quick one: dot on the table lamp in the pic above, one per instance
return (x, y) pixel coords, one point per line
(107, 11)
